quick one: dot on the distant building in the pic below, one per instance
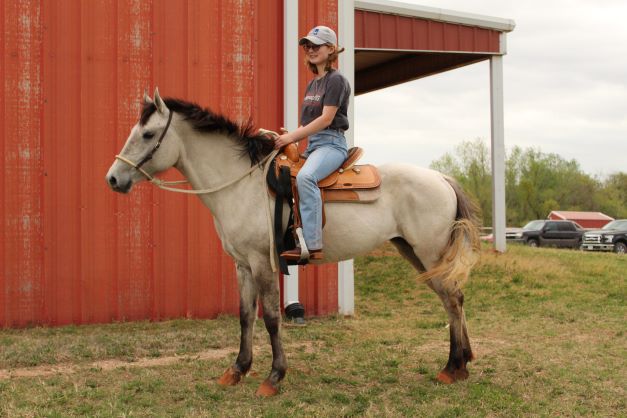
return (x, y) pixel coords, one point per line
(585, 219)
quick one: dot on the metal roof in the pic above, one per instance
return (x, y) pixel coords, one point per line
(564, 214)
(399, 42)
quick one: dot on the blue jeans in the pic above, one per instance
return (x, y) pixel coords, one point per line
(325, 153)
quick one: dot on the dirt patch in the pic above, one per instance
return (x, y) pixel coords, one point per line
(106, 365)
(112, 364)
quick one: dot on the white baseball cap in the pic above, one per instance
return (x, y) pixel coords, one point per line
(320, 35)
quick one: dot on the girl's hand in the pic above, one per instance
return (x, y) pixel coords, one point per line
(282, 140)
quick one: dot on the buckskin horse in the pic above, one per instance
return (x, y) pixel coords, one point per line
(422, 212)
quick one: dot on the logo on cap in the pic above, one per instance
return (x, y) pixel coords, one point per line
(315, 31)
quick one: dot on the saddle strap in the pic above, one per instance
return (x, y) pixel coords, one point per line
(282, 186)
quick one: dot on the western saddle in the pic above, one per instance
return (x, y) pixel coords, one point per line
(350, 184)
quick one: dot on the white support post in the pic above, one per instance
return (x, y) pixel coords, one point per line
(290, 110)
(346, 29)
(498, 152)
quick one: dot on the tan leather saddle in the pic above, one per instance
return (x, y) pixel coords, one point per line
(350, 183)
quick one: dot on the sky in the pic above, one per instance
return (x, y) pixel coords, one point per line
(565, 90)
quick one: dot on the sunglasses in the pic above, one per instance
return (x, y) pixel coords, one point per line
(308, 46)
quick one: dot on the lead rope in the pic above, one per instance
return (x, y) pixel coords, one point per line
(266, 168)
(165, 185)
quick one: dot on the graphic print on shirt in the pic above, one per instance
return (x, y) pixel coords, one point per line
(315, 98)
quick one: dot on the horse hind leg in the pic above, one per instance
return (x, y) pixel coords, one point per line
(460, 351)
(452, 299)
(247, 316)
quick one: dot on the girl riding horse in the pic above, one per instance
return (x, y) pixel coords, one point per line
(324, 119)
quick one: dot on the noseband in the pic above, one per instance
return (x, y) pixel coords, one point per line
(148, 156)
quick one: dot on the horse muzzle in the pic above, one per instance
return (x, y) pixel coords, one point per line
(120, 185)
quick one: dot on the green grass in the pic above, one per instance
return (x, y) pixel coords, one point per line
(547, 326)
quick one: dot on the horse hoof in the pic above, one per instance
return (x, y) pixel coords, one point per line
(461, 374)
(267, 389)
(448, 378)
(230, 378)
(445, 377)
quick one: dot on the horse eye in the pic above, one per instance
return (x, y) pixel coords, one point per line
(148, 135)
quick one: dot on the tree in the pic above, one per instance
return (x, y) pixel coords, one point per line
(613, 196)
(535, 183)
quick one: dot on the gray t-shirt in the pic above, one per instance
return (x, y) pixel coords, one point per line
(331, 90)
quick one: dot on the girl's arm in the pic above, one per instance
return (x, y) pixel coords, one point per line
(321, 122)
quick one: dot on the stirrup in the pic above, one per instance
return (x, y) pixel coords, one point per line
(296, 255)
(304, 251)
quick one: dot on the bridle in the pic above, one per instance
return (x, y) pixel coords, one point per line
(148, 156)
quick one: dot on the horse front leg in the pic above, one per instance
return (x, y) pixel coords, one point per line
(247, 316)
(460, 352)
(270, 299)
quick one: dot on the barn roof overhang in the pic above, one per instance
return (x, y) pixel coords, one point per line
(396, 42)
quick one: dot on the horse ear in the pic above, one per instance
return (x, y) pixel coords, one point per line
(147, 99)
(161, 107)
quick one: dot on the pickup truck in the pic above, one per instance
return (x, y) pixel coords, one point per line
(612, 237)
(545, 233)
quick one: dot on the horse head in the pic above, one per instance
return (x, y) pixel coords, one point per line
(139, 159)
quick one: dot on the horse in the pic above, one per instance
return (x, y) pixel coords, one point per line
(424, 213)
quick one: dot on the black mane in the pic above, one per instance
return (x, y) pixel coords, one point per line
(204, 120)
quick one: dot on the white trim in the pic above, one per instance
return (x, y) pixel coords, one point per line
(432, 13)
(346, 29)
(502, 43)
(290, 110)
(290, 64)
(498, 152)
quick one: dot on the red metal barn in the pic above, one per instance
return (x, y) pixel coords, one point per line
(73, 72)
(585, 219)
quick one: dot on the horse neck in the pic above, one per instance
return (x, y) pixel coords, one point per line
(209, 160)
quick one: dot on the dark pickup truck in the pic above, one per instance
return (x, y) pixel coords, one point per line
(541, 233)
(612, 237)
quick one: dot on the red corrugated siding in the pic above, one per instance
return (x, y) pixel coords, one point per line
(586, 223)
(22, 248)
(385, 31)
(72, 251)
(317, 284)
